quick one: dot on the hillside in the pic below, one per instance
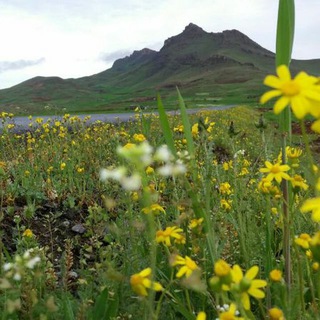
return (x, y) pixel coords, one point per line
(224, 67)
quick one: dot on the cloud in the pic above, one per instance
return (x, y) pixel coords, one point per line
(112, 56)
(19, 64)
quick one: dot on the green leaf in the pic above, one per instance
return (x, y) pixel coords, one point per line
(284, 44)
(164, 122)
(285, 32)
(186, 124)
(105, 307)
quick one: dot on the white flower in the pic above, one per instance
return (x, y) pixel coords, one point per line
(138, 154)
(172, 169)
(7, 266)
(115, 174)
(32, 262)
(17, 276)
(163, 154)
(131, 183)
(238, 153)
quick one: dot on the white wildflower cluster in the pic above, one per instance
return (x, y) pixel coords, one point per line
(127, 182)
(171, 166)
(142, 156)
(239, 153)
(18, 267)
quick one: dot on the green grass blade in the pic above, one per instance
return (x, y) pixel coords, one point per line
(186, 124)
(284, 43)
(285, 32)
(164, 122)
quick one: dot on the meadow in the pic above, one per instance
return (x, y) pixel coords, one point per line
(213, 215)
(108, 222)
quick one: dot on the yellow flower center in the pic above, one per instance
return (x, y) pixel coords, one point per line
(275, 169)
(290, 88)
(135, 280)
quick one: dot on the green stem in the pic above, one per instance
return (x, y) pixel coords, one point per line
(287, 221)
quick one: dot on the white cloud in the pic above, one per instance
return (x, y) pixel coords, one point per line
(74, 35)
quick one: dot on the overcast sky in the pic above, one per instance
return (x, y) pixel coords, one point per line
(74, 38)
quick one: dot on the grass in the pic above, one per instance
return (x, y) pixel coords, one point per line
(86, 238)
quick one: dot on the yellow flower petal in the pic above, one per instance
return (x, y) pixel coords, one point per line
(272, 81)
(245, 300)
(252, 272)
(256, 293)
(269, 95)
(281, 104)
(284, 73)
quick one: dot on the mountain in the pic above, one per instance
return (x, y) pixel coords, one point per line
(224, 67)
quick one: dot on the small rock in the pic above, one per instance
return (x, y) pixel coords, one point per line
(78, 228)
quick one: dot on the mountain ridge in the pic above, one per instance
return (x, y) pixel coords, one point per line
(222, 63)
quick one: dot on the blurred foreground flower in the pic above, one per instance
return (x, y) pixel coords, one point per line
(141, 281)
(302, 93)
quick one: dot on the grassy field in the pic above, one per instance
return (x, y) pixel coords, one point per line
(108, 222)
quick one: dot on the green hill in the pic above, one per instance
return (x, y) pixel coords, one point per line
(208, 68)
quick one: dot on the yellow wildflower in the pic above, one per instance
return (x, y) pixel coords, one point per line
(312, 205)
(276, 171)
(154, 208)
(139, 137)
(141, 281)
(298, 182)
(293, 153)
(195, 223)
(276, 314)
(28, 233)
(165, 236)
(247, 285)
(188, 266)
(195, 129)
(201, 316)
(225, 188)
(222, 269)
(301, 93)
(275, 275)
(225, 204)
(149, 170)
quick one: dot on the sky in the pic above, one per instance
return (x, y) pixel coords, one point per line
(76, 38)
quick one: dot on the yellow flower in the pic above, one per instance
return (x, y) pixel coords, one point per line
(165, 236)
(293, 153)
(276, 171)
(312, 205)
(154, 208)
(303, 240)
(141, 281)
(139, 137)
(201, 316)
(28, 233)
(225, 204)
(195, 223)
(195, 129)
(298, 182)
(301, 93)
(188, 266)
(276, 314)
(230, 314)
(222, 268)
(62, 165)
(149, 170)
(225, 188)
(247, 285)
(227, 165)
(276, 275)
